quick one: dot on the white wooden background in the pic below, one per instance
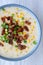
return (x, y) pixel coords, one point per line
(37, 7)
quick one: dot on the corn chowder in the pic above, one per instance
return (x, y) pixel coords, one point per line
(18, 32)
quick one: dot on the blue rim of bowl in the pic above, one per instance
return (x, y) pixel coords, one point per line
(29, 54)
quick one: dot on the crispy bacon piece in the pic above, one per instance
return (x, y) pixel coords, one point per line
(3, 31)
(21, 47)
(11, 35)
(20, 29)
(8, 18)
(27, 22)
(25, 36)
(12, 27)
(10, 31)
(19, 39)
(11, 41)
(26, 28)
(16, 36)
(3, 18)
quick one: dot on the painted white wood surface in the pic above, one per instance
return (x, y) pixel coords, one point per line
(37, 7)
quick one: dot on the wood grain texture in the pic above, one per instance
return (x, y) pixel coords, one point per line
(37, 7)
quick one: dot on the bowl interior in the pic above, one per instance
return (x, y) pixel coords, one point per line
(39, 28)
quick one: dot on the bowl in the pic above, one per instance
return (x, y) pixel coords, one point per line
(34, 49)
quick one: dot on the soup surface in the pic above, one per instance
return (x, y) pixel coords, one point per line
(19, 32)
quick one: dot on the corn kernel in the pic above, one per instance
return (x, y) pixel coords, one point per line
(16, 8)
(21, 16)
(17, 50)
(32, 37)
(17, 14)
(30, 32)
(21, 13)
(28, 40)
(32, 27)
(24, 33)
(16, 20)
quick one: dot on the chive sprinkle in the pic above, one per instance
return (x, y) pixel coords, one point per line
(25, 41)
(16, 46)
(22, 18)
(14, 39)
(12, 15)
(3, 9)
(34, 42)
(14, 31)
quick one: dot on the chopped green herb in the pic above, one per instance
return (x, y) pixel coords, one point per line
(12, 15)
(14, 32)
(16, 27)
(6, 33)
(14, 20)
(0, 37)
(22, 23)
(6, 40)
(22, 18)
(25, 41)
(3, 9)
(16, 46)
(15, 39)
(3, 38)
(20, 33)
(34, 42)
(4, 26)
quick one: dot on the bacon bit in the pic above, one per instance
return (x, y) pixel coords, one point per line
(11, 35)
(11, 19)
(12, 27)
(20, 29)
(19, 39)
(17, 22)
(16, 36)
(10, 31)
(21, 47)
(1, 44)
(26, 28)
(25, 36)
(27, 22)
(3, 31)
(8, 18)
(3, 18)
(10, 41)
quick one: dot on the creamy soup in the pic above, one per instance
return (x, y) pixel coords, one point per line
(19, 32)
